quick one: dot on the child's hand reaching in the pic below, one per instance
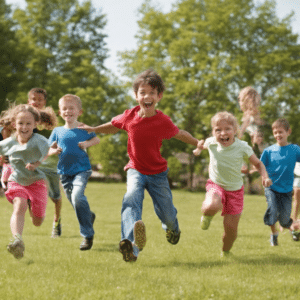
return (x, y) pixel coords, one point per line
(83, 145)
(54, 149)
(199, 148)
(89, 129)
(32, 166)
(266, 182)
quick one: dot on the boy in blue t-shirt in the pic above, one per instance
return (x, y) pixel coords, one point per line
(69, 143)
(280, 160)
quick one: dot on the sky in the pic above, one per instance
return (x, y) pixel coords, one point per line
(122, 16)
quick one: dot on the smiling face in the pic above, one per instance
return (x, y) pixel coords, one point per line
(281, 135)
(25, 123)
(69, 110)
(224, 133)
(147, 97)
(36, 100)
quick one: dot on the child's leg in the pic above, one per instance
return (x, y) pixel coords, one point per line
(231, 223)
(74, 187)
(57, 208)
(18, 216)
(212, 203)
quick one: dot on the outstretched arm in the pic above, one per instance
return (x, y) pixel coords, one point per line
(266, 181)
(200, 147)
(186, 137)
(106, 128)
(86, 144)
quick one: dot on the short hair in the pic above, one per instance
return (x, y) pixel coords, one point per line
(281, 122)
(250, 97)
(38, 91)
(149, 77)
(70, 97)
(224, 116)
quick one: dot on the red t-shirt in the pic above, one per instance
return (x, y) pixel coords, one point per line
(145, 136)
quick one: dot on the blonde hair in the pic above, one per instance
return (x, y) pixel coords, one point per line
(251, 99)
(70, 97)
(224, 116)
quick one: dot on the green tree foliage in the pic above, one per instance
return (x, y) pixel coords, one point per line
(207, 50)
(111, 154)
(11, 57)
(65, 44)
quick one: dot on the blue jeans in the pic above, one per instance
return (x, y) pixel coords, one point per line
(74, 187)
(158, 187)
(279, 208)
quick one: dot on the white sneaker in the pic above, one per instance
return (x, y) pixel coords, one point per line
(16, 247)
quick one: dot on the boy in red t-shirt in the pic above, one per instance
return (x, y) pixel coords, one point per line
(147, 169)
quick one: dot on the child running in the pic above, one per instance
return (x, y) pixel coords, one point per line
(296, 202)
(27, 184)
(70, 144)
(280, 160)
(37, 98)
(147, 169)
(224, 188)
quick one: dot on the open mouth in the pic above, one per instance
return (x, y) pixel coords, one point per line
(148, 104)
(224, 140)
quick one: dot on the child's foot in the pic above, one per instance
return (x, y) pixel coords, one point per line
(16, 247)
(274, 239)
(86, 244)
(295, 235)
(173, 237)
(139, 233)
(205, 222)
(125, 247)
(56, 231)
(226, 255)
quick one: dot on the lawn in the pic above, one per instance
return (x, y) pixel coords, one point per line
(193, 269)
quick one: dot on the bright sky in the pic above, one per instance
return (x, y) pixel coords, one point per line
(122, 22)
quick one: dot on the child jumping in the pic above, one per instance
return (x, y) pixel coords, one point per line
(27, 184)
(37, 98)
(147, 169)
(224, 188)
(70, 143)
(280, 160)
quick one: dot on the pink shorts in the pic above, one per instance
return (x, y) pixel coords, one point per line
(233, 201)
(37, 194)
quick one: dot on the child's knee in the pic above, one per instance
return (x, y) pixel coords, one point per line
(37, 221)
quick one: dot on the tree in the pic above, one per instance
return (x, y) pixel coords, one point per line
(65, 44)
(12, 58)
(207, 50)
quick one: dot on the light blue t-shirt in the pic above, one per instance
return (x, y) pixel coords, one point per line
(280, 164)
(72, 159)
(20, 155)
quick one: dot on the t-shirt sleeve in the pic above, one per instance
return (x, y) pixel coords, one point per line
(43, 147)
(248, 150)
(169, 128)
(264, 158)
(119, 121)
(52, 138)
(208, 141)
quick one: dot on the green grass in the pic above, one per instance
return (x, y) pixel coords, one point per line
(57, 269)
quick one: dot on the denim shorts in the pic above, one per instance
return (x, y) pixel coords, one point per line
(279, 208)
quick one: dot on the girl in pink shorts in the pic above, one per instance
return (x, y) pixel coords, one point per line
(26, 184)
(224, 189)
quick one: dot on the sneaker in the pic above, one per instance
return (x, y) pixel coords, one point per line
(86, 244)
(56, 230)
(205, 222)
(93, 217)
(274, 240)
(125, 247)
(226, 255)
(173, 237)
(139, 233)
(295, 235)
(16, 247)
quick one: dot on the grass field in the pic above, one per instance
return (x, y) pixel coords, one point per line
(193, 269)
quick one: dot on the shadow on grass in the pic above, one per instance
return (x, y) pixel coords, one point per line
(270, 259)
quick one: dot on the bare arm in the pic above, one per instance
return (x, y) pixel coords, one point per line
(106, 128)
(186, 137)
(200, 147)
(266, 181)
(86, 144)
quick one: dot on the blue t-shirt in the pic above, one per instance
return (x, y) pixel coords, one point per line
(280, 164)
(72, 159)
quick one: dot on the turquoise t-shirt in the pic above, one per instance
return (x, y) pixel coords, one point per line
(225, 163)
(280, 164)
(72, 159)
(20, 155)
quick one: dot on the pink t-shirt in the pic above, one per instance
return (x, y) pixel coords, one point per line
(145, 136)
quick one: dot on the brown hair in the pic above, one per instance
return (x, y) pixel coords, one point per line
(149, 77)
(38, 91)
(281, 122)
